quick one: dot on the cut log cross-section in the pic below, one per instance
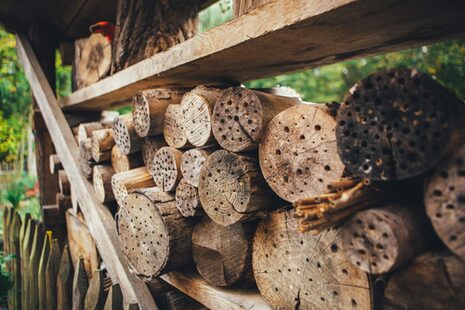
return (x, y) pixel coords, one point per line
(150, 148)
(187, 200)
(125, 134)
(241, 115)
(191, 164)
(298, 152)
(102, 182)
(166, 168)
(124, 183)
(122, 162)
(173, 129)
(85, 130)
(102, 143)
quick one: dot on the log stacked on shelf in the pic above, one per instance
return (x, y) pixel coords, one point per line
(150, 148)
(173, 128)
(166, 168)
(124, 183)
(65, 281)
(122, 162)
(102, 143)
(102, 182)
(126, 137)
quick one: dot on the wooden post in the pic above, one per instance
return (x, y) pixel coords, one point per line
(63, 183)
(80, 285)
(55, 163)
(295, 270)
(300, 160)
(187, 200)
(121, 162)
(51, 273)
(114, 298)
(41, 275)
(148, 109)
(125, 134)
(241, 115)
(102, 182)
(191, 163)
(64, 282)
(173, 129)
(102, 143)
(158, 245)
(126, 182)
(232, 189)
(95, 296)
(223, 255)
(165, 168)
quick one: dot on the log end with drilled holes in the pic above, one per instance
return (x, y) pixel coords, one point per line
(395, 124)
(125, 135)
(102, 183)
(298, 152)
(187, 200)
(173, 130)
(223, 255)
(191, 164)
(150, 147)
(121, 162)
(295, 270)
(155, 237)
(445, 201)
(93, 60)
(165, 168)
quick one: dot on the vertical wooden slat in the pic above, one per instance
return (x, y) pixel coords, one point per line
(26, 248)
(14, 298)
(51, 273)
(42, 288)
(80, 285)
(33, 269)
(64, 281)
(114, 299)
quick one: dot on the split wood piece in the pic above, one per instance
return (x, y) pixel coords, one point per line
(63, 202)
(51, 274)
(85, 130)
(385, 239)
(191, 163)
(122, 162)
(432, 281)
(81, 244)
(125, 135)
(42, 288)
(445, 201)
(85, 149)
(295, 270)
(241, 115)
(150, 147)
(148, 109)
(65, 281)
(124, 183)
(155, 237)
(52, 215)
(102, 143)
(223, 255)
(144, 29)
(102, 183)
(80, 285)
(55, 163)
(232, 188)
(173, 129)
(242, 7)
(166, 168)
(395, 124)
(196, 110)
(63, 183)
(93, 60)
(298, 152)
(95, 296)
(86, 167)
(33, 268)
(114, 298)
(187, 200)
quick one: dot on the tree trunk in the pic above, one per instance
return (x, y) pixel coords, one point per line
(191, 164)
(150, 147)
(102, 143)
(125, 135)
(165, 168)
(102, 183)
(124, 183)
(173, 129)
(122, 163)
(187, 200)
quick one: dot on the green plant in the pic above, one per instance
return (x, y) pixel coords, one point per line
(5, 278)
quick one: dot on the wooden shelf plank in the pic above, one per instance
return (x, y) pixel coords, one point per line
(192, 284)
(279, 37)
(99, 219)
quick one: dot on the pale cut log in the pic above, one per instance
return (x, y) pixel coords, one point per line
(93, 60)
(63, 183)
(434, 281)
(232, 188)
(114, 298)
(85, 130)
(295, 270)
(196, 119)
(122, 162)
(102, 183)
(150, 147)
(223, 255)
(241, 7)
(298, 152)
(95, 296)
(395, 124)
(187, 200)
(155, 237)
(124, 183)
(80, 285)
(241, 115)
(148, 109)
(51, 274)
(63, 202)
(55, 163)
(65, 281)
(125, 135)
(173, 130)
(191, 163)
(102, 143)
(385, 239)
(85, 149)
(445, 201)
(166, 168)
(41, 285)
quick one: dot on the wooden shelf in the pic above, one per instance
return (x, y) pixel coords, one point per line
(279, 37)
(192, 284)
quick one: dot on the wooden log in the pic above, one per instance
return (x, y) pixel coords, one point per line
(63, 183)
(102, 182)
(85, 130)
(241, 115)
(102, 143)
(80, 285)
(85, 149)
(395, 124)
(232, 188)
(51, 274)
(33, 268)
(55, 163)
(242, 7)
(173, 129)
(385, 239)
(196, 119)
(445, 201)
(223, 255)
(165, 168)
(126, 182)
(150, 147)
(121, 162)
(95, 296)
(42, 286)
(295, 270)
(125, 135)
(63, 202)
(114, 298)
(187, 200)
(65, 281)
(298, 152)
(148, 109)
(86, 167)
(146, 28)
(191, 163)
(434, 280)
(155, 237)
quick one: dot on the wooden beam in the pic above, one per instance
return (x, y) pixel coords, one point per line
(99, 219)
(279, 37)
